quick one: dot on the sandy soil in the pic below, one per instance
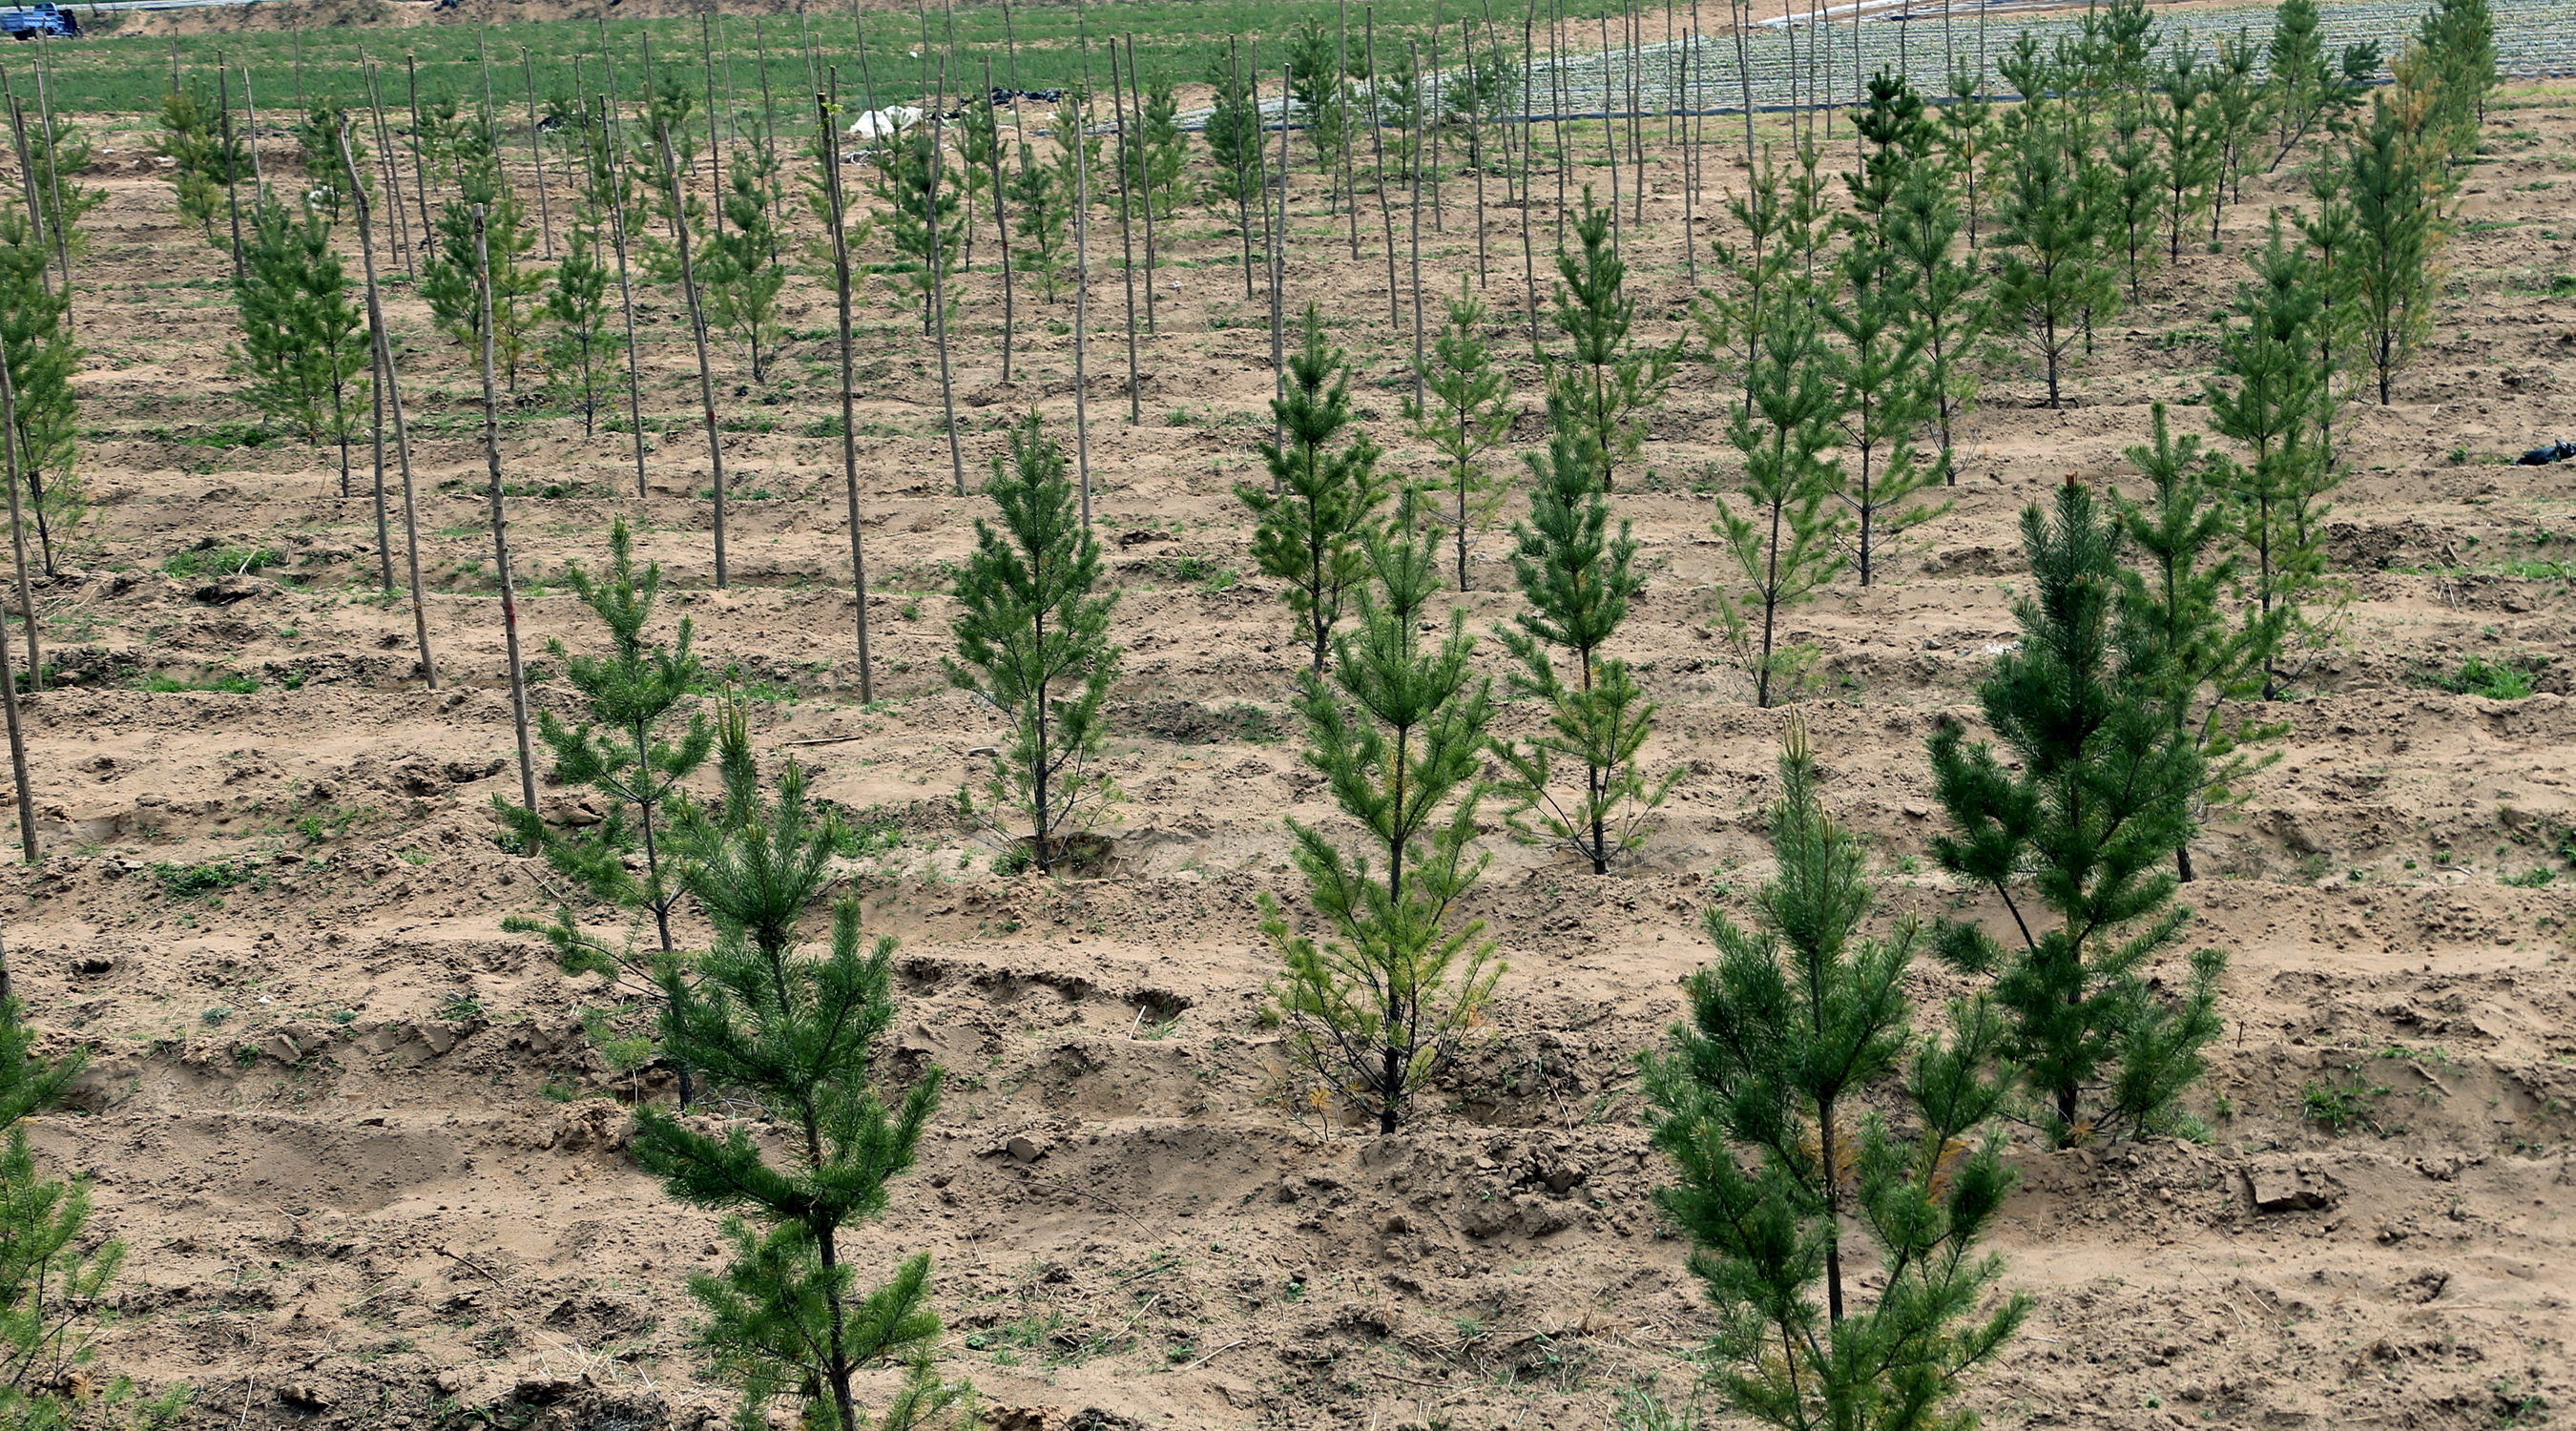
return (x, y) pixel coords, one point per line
(372, 1173)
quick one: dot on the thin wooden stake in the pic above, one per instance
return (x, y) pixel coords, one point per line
(698, 331)
(500, 523)
(389, 383)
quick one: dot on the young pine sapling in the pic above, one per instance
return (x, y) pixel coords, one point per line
(1784, 541)
(1033, 642)
(1578, 580)
(2096, 798)
(1313, 518)
(1379, 1004)
(796, 1035)
(1468, 413)
(1788, 1028)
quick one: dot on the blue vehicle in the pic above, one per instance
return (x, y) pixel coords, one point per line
(43, 18)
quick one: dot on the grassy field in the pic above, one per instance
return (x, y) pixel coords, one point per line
(1043, 45)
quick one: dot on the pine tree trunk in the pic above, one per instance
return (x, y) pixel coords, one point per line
(839, 1367)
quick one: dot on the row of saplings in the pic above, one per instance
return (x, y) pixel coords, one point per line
(1780, 1100)
(1771, 1099)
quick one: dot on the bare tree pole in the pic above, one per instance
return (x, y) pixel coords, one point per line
(1413, 53)
(1502, 126)
(1562, 92)
(939, 283)
(1343, 89)
(419, 156)
(393, 171)
(27, 178)
(617, 189)
(391, 387)
(28, 848)
(1610, 134)
(715, 130)
(840, 252)
(537, 154)
(1278, 272)
(1431, 120)
(766, 136)
(698, 332)
(1130, 166)
(1690, 161)
(1081, 139)
(1636, 25)
(1001, 221)
(1740, 21)
(54, 170)
(232, 190)
(1529, 133)
(1242, 201)
(375, 388)
(1377, 146)
(18, 541)
(250, 116)
(500, 524)
(1136, 96)
(1476, 136)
